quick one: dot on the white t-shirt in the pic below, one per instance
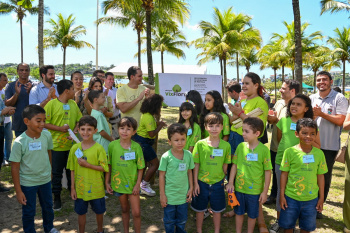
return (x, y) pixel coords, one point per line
(113, 94)
(2, 96)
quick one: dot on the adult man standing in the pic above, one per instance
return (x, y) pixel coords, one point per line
(99, 74)
(130, 96)
(329, 109)
(8, 135)
(112, 92)
(42, 93)
(17, 95)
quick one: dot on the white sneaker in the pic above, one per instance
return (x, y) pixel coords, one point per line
(147, 190)
(275, 228)
(54, 230)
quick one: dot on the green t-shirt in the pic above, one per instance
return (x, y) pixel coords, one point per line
(89, 183)
(147, 123)
(193, 138)
(102, 124)
(176, 177)
(250, 177)
(226, 127)
(60, 114)
(35, 167)
(211, 160)
(124, 165)
(302, 177)
(288, 137)
(250, 105)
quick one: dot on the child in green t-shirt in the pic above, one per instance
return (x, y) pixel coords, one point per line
(31, 169)
(88, 162)
(126, 166)
(188, 117)
(175, 180)
(103, 134)
(252, 169)
(211, 156)
(62, 114)
(147, 131)
(302, 180)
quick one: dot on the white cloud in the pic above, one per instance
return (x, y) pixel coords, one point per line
(192, 27)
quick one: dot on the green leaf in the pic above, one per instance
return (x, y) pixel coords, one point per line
(25, 3)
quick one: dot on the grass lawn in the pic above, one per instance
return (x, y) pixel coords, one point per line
(151, 211)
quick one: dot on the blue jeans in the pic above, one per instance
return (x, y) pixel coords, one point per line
(8, 140)
(59, 162)
(28, 210)
(175, 217)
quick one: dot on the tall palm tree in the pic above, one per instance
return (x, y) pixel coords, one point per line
(21, 12)
(341, 45)
(41, 11)
(165, 40)
(297, 38)
(65, 35)
(334, 6)
(248, 57)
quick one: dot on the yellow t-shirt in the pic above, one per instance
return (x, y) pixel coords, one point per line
(59, 114)
(147, 123)
(125, 94)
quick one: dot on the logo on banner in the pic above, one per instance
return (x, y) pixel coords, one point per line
(175, 91)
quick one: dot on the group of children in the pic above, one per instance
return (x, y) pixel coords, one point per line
(192, 171)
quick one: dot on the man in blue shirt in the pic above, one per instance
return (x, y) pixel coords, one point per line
(17, 95)
(42, 93)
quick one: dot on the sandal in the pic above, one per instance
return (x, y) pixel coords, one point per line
(229, 214)
(263, 228)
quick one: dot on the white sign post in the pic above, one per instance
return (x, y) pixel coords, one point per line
(174, 87)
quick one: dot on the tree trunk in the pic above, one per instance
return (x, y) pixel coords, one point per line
(162, 60)
(20, 25)
(293, 76)
(275, 73)
(41, 32)
(237, 67)
(315, 81)
(343, 77)
(149, 47)
(64, 63)
(297, 39)
(222, 77)
(282, 73)
(225, 82)
(247, 68)
(139, 47)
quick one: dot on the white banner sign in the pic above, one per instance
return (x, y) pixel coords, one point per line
(174, 87)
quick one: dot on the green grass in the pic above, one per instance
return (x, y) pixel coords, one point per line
(151, 211)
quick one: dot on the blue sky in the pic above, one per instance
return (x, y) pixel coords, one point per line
(118, 44)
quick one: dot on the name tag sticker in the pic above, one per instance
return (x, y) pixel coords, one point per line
(189, 132)
(79, 153)
(252, 157)
(182, 166)
(33, 146)
(293, 126)
(129, 156)
(308, 159)
(218, 152)
(66, 107)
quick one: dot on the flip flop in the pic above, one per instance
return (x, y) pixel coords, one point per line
(263, 228)
(229, 214)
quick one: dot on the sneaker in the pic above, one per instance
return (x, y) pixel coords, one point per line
(319, 215)
(3, 189)
(275, 227)
(54, 230)
(270, 200)
(57, 204)
(146, 189)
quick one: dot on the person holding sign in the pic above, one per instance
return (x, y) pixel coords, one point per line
(302, 180)
(252, 169)
(31, 169)
(211, 157)
(87, 162)
(126, 164)
(298, 107)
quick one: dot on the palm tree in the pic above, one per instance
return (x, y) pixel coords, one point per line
(165, 40)
(65, 35)
(334, 6)
(248, 57)
(341, 45)
(41, 11)
(21, 11)
(266, 59)
(297, 38)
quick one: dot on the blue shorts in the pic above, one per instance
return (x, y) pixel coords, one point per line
(248, 204)
(215, 194)
(97, 205)
(234, 139)
(305, 211)
(146, 145)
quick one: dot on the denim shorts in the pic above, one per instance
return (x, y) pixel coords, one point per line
(214, 194)
(97, 205)
(305, 211)
(117, 194)
(248, 203)
(146, 145)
